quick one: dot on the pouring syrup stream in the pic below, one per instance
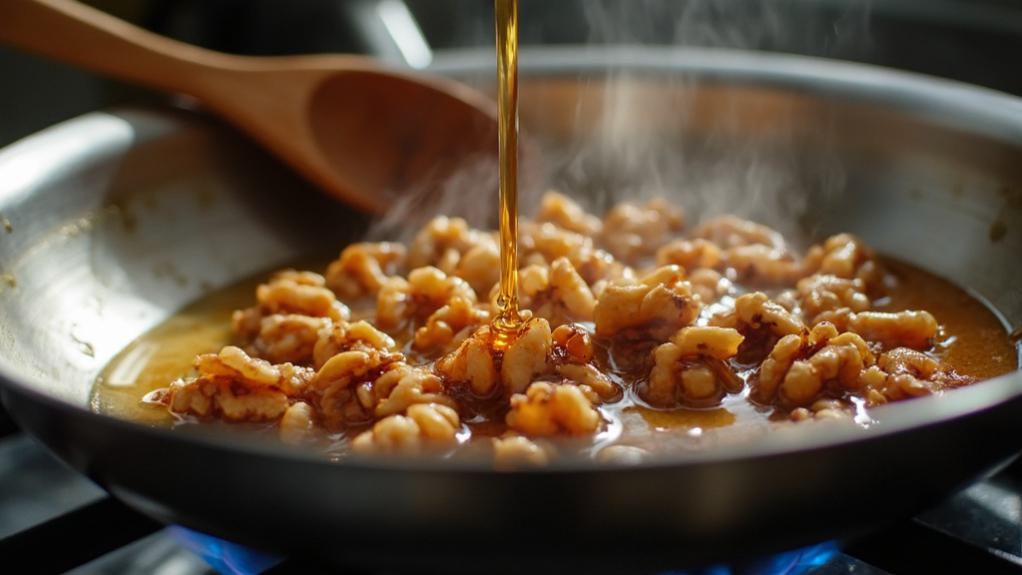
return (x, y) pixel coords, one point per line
(508, 319)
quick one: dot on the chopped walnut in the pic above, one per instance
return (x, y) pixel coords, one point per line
(822, 410)
(424, 292)
(799, 368)
(562, 211)
(301, 293)
(362, 269)
(423, 425)
(822, 295)
(710, 285)
(845, 256)
(632, 232)
(542, 243)
(449, 325)
(516, 451)
(288, 293)
(287, 338)
(660, 304)
(761, 321)
(356, 336)
(477, 363)
(480, 267)
(692, 370)
(558, 293)
(732, 232)
(903, 373)
(342, 388)
(297, 423)
(915, 329)
(547, 409)
(763, 265)
(237, 387)
(690, 254)
(443, 242)
(402, 386)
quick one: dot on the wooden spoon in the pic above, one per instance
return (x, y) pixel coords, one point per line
(361, 132)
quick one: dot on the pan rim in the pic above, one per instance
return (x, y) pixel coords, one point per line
(999, 115)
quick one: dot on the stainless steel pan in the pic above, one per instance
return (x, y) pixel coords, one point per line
(117, 219)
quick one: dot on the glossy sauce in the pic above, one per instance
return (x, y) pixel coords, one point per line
(973, 341)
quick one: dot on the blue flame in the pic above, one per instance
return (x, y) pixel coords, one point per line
(224, 557)
(233, 559)
(796, 562)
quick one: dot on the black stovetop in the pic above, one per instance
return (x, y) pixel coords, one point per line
(58, 521)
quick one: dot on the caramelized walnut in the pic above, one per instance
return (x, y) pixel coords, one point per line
(362, 269)
(426, 290)
(547, 409)
(632, 232)
(692, 369)
(657, 305)
(423, 425)
(563, 212)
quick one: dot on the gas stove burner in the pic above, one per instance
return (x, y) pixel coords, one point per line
(223, 556)
(233, 559)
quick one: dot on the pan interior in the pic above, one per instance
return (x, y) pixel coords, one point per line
(116, 220)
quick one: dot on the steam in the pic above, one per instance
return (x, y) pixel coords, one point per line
(625, 144)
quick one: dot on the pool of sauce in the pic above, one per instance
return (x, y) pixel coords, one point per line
(973, 341)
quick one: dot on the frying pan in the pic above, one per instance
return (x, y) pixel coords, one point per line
(119, 218)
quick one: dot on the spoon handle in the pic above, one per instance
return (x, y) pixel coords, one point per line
(76, 34)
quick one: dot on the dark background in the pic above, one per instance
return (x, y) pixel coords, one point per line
(977, 41)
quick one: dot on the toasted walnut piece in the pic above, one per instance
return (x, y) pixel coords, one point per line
(825, 294)
(690, 369)
(905, 373)
(234, 364)
(424, 292)
(403, 386)
(557, 294)
(732, 232)
(443, 327)
(562, 211)
(709, 285)
(775, 367)
(302, 293)
(755, 311)
(622, 455)
(341, 390)
(356, 336)
(210, 397)
(845, 256)
(690, 254)
(443, 242)
(547, 409)
(915, 329)
(296, 424)
(763, 265)
(472, 363)
(288, 338)
(517, 451)
(632, 231)
(526, 356)
(821, 410)
(237, 387)
(423, 425)
(659, 303)
(588, 377)
(480, 267)
(799, 367)
(362, 268)
(551, 242)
